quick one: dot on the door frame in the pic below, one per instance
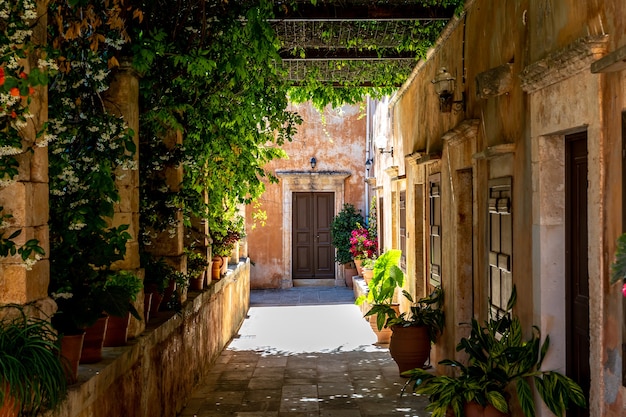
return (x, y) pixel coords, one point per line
(306, 181)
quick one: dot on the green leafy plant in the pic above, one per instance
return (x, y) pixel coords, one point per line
(499, 358)
(427, 311)
(126, 285)
(386, 279)
(31, 371)
(196, 263)
(158, 273)
(341, 227)
(618, 267)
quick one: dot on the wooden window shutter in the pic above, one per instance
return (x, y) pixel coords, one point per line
(402, 228)
(500, 243)
(434, 222)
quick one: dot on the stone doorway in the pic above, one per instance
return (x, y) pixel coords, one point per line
(307, 181)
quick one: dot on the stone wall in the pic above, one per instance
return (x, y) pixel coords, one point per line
(154, 375)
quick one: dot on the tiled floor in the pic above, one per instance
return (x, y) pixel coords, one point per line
(304, 352)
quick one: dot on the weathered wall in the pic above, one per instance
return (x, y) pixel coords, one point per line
(526, 71)
(336, 139)
(153, 375)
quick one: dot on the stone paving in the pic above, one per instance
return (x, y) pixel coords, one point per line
(304, 352)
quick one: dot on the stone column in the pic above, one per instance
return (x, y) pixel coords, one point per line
(169, 244)
(26, 200)
(122, 99)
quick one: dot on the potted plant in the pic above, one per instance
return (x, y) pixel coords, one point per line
(197, 264)
(341, 228)
(387, 277)
(224, 240)
(126, 285)
(367, 269)
(362, 246)
(32, 378)
(500, 360)
(414, 331)
(157, 279)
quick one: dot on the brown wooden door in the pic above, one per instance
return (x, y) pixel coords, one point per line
(313, 254)
(576, 270)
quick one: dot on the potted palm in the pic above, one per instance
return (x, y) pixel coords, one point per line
(32, 377)
(500, 361)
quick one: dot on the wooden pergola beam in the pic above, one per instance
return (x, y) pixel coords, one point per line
(354, 12)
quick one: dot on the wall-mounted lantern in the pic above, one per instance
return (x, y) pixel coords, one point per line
(313, 163)
(381, 144)
(444, 84)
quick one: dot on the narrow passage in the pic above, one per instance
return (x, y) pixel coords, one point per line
(304, 352)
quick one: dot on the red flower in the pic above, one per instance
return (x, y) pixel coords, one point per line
(361, 245)
(15, 92)
(2, 76)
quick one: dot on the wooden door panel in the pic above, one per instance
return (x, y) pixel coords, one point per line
(576, 268)
(313, 254)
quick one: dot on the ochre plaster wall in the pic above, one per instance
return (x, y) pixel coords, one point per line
(336, 139)
(548, 47)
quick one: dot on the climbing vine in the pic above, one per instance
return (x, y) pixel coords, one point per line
(90, 149)
(228, 103)
(17, 87)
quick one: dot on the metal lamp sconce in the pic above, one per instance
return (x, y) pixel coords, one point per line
(444, 84)
(313, 163)
(381, 142)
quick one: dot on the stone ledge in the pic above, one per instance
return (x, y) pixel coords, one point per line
(154, 374)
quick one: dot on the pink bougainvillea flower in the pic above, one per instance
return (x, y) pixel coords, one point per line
(624, 290)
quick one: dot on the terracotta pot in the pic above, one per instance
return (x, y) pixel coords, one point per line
(197, 283)
(473, 409)
(368, 274)
(169, 292)
(383, 336)
(225, 264)
(147, 304)
(216, 267)
(359, 268)
(155, 305)
(94, 340)
(71, 348)
(117, 331)
(349, 271)
(9, 408)
(409, 347)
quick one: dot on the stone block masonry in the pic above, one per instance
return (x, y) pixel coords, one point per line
(154, 375)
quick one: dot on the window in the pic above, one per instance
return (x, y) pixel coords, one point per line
(434, 222)
(500, 244)
(402, 231)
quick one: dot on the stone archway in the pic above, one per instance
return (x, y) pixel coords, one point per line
(301, 181)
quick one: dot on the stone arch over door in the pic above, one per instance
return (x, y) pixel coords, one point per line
(307, 181)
